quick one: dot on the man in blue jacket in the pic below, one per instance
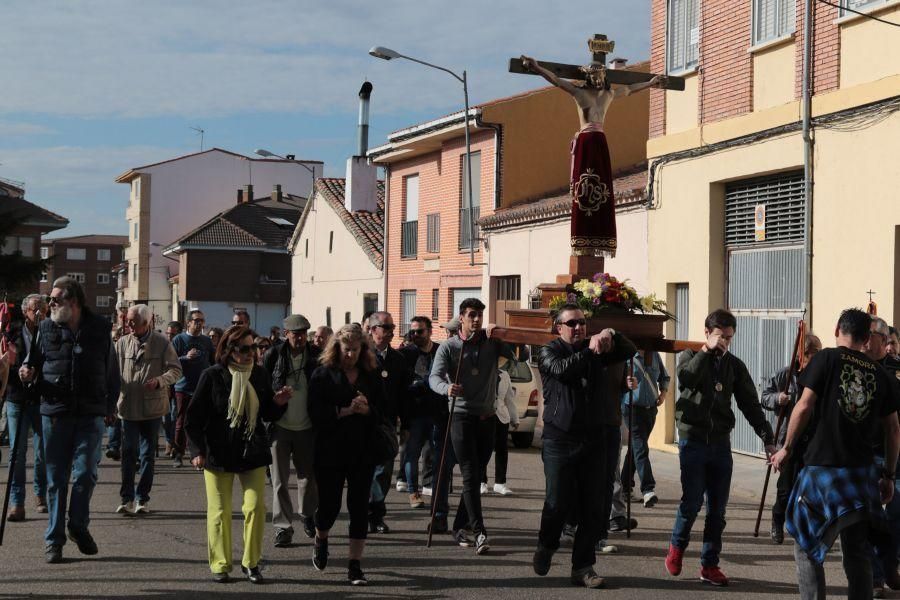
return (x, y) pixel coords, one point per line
(73, 367)
(195, 353)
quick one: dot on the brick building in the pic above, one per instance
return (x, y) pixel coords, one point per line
(745, 212)
(89, 259)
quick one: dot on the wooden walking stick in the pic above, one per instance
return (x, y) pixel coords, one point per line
(436, 488)
(791, 375)
(629, 454)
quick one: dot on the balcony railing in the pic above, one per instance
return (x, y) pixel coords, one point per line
(409, 239)
(465, 232)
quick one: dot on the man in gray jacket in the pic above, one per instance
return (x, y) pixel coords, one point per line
(148, 365)
(465, 368)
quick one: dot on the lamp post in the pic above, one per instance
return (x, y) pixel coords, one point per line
(266, 154)
(388, 54)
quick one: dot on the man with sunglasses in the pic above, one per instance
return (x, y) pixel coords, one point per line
(73, 367)
(395, 377)
(291, 365)
(582, 380)
(240, 317)
(196, 354)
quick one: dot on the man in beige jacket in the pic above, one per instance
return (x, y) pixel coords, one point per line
(148, 365)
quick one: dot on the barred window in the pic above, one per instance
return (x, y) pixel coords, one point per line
(773, 19)
(777, 201)
(684, 35)
(860, 5)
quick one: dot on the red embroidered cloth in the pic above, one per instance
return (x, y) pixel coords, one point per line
(591, 187)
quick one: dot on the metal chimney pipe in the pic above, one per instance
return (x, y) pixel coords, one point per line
(363, 131)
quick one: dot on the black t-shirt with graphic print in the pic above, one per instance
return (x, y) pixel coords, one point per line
(853, 394)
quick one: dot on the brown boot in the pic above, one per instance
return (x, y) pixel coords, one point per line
(16, 513)
(169, 449)
(40, 504)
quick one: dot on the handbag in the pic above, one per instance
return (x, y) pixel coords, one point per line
(385, 444)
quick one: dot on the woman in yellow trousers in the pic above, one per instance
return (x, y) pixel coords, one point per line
(227, 438)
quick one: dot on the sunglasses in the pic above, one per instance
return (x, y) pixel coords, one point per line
(573, 323)
(198, 320)
(55, 300)
(416, 332)
(386, 327)
(247, 349)
(237, 322)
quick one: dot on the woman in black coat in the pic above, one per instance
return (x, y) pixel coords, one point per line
(345, 401)
(227, 437)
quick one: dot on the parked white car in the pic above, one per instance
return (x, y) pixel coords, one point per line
(527, 384)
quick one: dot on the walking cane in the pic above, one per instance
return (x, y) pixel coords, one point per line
(436, 491)
(629, 454)
(792, 374)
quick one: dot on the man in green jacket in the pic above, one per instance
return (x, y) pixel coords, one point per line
(707, 380)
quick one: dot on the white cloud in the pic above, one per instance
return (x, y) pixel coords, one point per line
(11, 128)
(211, 58)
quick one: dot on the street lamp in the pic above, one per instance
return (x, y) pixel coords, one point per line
(266, 154)
(388, 54)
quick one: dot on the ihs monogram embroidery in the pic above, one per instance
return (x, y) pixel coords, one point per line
(590, 192)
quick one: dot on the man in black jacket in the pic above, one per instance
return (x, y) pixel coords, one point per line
(395, 377)
(577, 437)
(778, 396)
(75, 370)
(291, 365)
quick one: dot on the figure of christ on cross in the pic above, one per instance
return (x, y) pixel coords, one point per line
(593, 204)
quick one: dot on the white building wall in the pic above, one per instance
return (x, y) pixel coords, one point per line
(262, 315)
(338, 279)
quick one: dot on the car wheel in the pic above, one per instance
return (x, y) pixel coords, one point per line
(522, 439)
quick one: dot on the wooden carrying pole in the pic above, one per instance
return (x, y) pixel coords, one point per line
(791, 375)
(629, 453)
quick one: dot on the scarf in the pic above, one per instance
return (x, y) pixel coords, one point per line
(243, 404)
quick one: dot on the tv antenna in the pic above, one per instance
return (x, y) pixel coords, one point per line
(200, 131)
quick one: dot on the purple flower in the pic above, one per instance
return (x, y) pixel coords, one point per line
(596, 301)
(570, 297)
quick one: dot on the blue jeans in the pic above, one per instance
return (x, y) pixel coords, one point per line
(574, 485)
(134, 433)
(168, 422)
(14, 415)
(114, 436)
(642, 422)
(419, 431)
(886, 545)
(705, 471)
(72, 450)
(440, 490)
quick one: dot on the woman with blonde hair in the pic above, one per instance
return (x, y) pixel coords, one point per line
(225, 427)
(345, 404)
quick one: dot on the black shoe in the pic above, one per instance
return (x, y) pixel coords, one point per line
(252, 574)
(320, 554)
(440, 525)
(541, 560)
(309, 527)
(53, 553)
(355, 575)
(221, 577)
(619, 523)
(283, 538)
(113, 454)
(568, 533)
(84, 541)
(777, 533)
(378, 526)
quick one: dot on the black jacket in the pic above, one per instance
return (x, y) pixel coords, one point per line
(277, 361)
(578, 397)
(346, 441)
(769, 399)
(209, 432)
(395, 376)
(16, 391)
(420, 399)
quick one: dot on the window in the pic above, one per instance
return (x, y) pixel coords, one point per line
(76, 254)
(764, 209)
(43, 276)
(466, 217)
(457, 295)
(328, 316)
(407, 309)
(347, 318)
(26, 246)
(772, 19)
(45, 252)
(509, 288)
(134, 227)
(684, 35)
(409, 232)
(13, 244)
(330, 241)
(103, 278)
(103, 254)
(306, 248)
(434, 232)
(102, 301)
(134, 273)
(79, 277)
(435, 305)
(860, 5)
(370, 303)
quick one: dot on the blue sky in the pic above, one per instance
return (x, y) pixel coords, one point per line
(92, 88)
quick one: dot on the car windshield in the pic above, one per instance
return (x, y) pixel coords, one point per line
(519, 371)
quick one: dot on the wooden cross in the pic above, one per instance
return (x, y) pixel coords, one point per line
(870, 293)
(599, 47)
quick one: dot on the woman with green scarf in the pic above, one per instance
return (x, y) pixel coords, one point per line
(227, 437)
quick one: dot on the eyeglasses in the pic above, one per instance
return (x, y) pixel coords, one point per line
(198, 320)
(386, 327)
(573, 323)
(247, 349)
(55, 300)
(417, 332)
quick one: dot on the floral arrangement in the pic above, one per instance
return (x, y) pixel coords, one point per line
(605, 292)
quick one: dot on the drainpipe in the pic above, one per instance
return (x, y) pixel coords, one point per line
(808, 154)
(498, 138)
(384, 249)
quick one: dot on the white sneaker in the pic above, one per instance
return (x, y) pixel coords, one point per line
(426, 491)
(650, 499)
(401, 486)
(605, 547)
(502, 489)
(142, 508)
(484, 489)
(126, 508)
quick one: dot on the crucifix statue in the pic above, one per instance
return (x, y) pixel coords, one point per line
(593, 232)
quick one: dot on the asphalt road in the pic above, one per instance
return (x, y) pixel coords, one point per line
(163, 555)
